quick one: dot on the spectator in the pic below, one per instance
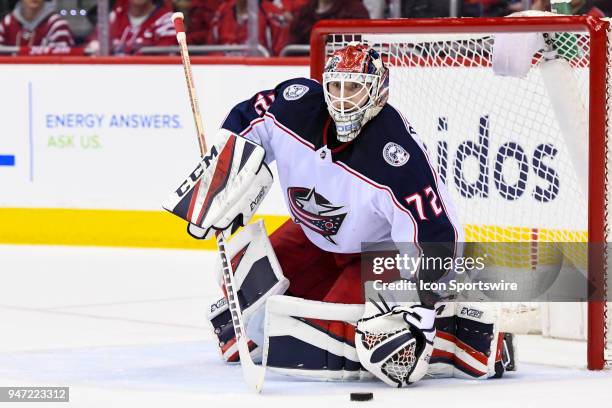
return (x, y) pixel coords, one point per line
(230, 26)
(316, 10)
(279, 20)
(141, 23)
(292, 6)
(34, 24)
(198, 18)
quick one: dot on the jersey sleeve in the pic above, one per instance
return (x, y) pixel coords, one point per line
(423, 219)
(254, 118)
(164, 31)
(247, 119)
(418, 206)
(59, 37)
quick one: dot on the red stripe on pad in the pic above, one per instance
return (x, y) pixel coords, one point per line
(227, 345)
(339, 329)
(457, 362)
(481, 357)
(194, 198)
(500, 345)
(224, 165)
(235, 261)
(236, 355)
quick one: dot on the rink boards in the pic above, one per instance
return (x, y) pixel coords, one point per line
(89, 152)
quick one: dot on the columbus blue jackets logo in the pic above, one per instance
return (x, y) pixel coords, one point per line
(315, 212)
(395, 154)
(294, 92)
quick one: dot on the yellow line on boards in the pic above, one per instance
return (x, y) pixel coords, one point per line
(160, 229)
(113, 228)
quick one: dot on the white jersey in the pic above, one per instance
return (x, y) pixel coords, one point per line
(380, 187)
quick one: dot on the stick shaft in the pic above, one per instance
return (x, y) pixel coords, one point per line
(193, 97)
(253, 375)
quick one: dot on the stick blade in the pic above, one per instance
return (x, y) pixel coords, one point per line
(253, 375)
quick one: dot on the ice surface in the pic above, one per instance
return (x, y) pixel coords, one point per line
(127, 328)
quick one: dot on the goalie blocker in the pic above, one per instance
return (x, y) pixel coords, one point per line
(225, 189)
(307, 338)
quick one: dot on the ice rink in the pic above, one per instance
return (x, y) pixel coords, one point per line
(127, 328)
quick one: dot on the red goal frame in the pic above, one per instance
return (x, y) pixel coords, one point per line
(597, 30)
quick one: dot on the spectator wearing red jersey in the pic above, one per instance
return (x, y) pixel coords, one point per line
(35, 25)
(142, 23)
(292, 6)
(279, 20)
(230, 26)
(199, 15)
(316, 10)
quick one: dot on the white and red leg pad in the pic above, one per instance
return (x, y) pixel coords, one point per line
(307, 338)
(258, 276)
(468, 343)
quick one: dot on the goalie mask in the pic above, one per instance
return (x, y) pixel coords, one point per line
(356, 87)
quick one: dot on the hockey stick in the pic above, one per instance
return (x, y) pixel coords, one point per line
(253, 375)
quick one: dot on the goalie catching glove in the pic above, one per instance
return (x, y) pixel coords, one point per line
(395, 344)
(225, 189)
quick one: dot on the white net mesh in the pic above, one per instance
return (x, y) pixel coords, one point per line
(399, 365)
(371, 339)
(512, 151)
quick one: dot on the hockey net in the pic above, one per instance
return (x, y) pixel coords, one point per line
(513, 152)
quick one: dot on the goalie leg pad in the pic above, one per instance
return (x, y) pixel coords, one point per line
(442, 361)
(221, 320)
(469, 343)
(307, 338)
(258, 276)
(477, 328)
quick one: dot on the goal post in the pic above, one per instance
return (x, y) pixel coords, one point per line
(442, 80)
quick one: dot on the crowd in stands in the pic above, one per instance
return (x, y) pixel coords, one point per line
(42, 27)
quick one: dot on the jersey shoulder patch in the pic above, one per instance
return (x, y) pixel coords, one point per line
(395, 155)
(295, 91)
(299, 88)
(392, 141)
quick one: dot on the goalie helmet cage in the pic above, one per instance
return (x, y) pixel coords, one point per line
(445, 64)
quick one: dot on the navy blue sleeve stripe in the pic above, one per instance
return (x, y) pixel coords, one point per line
(438, 232)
